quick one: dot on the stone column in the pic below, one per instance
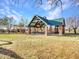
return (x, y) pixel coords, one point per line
(34, 29)
(29, 30)
(50, 29)
(61, 30)
(55, 30)
(46, 30)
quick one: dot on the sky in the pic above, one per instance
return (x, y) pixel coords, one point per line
(27, 9)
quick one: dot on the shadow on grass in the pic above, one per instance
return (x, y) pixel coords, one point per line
(66, 34)
(6, 42)
(9, 53)
(71, 34)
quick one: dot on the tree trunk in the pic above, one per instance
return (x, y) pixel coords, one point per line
(74, 30)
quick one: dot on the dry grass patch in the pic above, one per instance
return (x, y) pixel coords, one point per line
(42, 47)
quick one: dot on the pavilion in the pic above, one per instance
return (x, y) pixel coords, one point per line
(40, 24)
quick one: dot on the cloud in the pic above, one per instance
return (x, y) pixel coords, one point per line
(1, 4)
(6, 8)
(7, 11)
(56, 13)
(77, 4)
(7, 2)
(2, 12)
(46, 6)
(16, 15)
(14, 12)
(13, 16)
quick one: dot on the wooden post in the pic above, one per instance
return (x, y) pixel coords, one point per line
(46, 30)
(29, 30)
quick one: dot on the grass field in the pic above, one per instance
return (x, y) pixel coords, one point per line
(39, 47)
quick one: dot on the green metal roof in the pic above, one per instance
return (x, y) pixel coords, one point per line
(53, 21)
(56, 22)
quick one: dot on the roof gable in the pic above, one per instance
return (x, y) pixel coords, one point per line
(40, 18)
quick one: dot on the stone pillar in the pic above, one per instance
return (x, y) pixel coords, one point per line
(29, 31)
(46, 30)
(61, 30)
(50, 29)
(55, 29)
(41, 29)
(34, 29)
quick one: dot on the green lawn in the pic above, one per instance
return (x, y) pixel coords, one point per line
(39, 47)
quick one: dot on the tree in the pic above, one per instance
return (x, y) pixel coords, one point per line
(7, 21)
(22, 25)
(4, 21)
(68, 24)
(10, 21)
(51, 2)
(73, 22)
(40, 2)
(37, 2)
(76, 2)
(23, 22)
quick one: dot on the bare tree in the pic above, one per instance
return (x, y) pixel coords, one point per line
(37, 2)
(4, 21)
(23, 22)
(73, 22)
(76, 2)
(10, 23)
(68, 24)
(51, 2)
(22, 25)
(40, 2)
